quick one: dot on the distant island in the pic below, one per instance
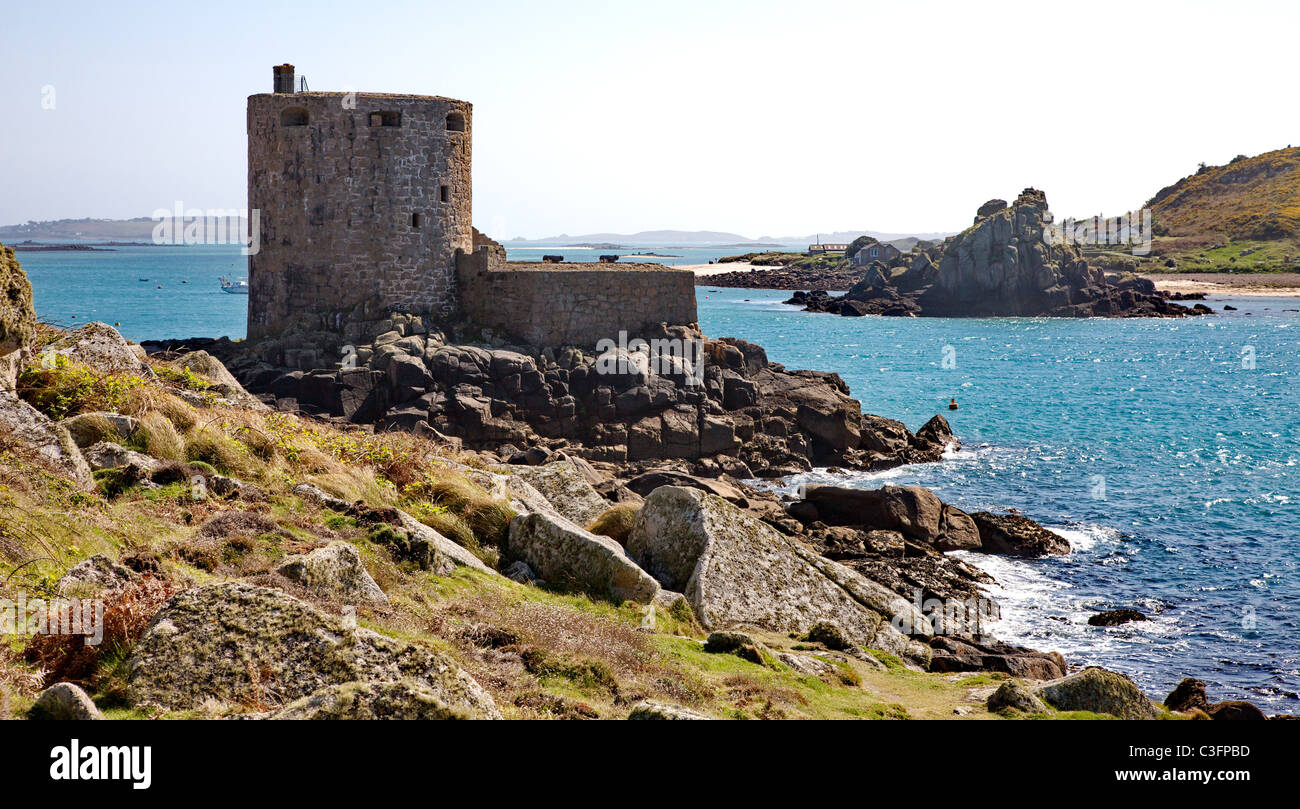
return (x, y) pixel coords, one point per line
(30, 246)
(64, 230)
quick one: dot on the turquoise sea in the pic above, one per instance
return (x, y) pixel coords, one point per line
(1167, 451)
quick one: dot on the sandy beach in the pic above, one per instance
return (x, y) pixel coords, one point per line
(1274, 285)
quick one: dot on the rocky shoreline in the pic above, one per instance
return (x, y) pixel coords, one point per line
(531, 524)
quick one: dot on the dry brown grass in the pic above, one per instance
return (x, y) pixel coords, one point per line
(519, 648)
(158, 436)
(17, 680)
(766, 701)
(1249, 198)
(615, 522)
(127, 612)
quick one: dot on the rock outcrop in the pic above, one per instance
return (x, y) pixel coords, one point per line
(17, 316)
(93, 576)
(404, 699)
(90, 428)
(42, 441)
(64, 702)
(651, 710)
(1012, 695)
(561, 552)
(1016, 535)
(1188, 695)
(1100, 691)
(737, 571)
(725, 410)
(966, 653)
(566, 489)
(242, 644)
(1116, 617)
(914, 512)
(1001, 266)
(334, 572)
(101, 348)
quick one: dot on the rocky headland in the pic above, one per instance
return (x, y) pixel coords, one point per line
(439, 528)
(998, 267)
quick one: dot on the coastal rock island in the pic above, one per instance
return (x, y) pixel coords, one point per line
(998, 267)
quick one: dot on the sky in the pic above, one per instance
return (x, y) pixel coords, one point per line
(763, 119)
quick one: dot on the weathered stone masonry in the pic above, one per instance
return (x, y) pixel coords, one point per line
(364, 200)
(573, 304)
(365, 203)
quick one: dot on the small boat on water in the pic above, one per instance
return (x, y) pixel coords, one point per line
(239, 286)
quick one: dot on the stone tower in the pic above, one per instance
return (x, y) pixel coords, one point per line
(363, 199)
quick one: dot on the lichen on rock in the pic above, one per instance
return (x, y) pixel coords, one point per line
(735, 570)
(238, 643)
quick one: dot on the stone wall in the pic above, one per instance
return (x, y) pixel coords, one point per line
(364, 200)
(573, 304)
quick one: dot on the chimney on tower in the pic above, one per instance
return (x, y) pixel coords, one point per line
(283, 78)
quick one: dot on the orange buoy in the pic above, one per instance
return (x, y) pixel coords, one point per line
(952, 405)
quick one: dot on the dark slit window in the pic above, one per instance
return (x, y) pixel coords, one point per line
(456, 122)
(293, 116)
(415, 220)
(385, 119)
(444, 193)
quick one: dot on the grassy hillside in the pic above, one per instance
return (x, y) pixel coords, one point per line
(542, 652)
(1244, 216)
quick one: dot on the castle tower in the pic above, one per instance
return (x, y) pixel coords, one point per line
(363, 201)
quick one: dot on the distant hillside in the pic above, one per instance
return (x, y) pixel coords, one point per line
(139, 229)
(846, 236)
(1255, 198)
(1242, 216)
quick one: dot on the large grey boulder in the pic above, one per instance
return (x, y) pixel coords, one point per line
(107, 455)
(211, 370)
(445, 555)
(737, 571)
(64, 701)
(651, 710)
(1013, 695)
(11, 365)
(95, 575)
(43, 441)
(315, 494)
(562, 552)
(334, 572)
(566, 488)
(238, 643)
(404, 699)
(1100, 691)
(101, 348)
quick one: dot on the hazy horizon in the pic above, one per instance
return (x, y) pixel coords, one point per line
(751, 118)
